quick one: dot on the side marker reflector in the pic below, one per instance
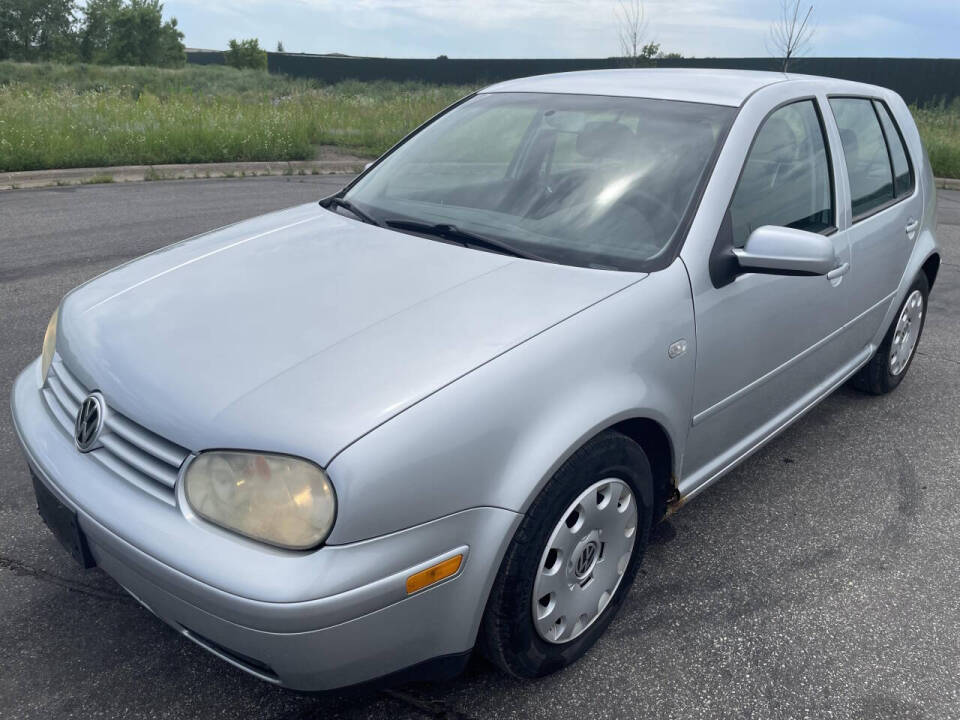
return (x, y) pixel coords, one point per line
(426, 578)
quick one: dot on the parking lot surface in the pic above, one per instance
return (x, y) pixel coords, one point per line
(820, 579)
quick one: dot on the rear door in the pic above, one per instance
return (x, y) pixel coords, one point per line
(885, 207)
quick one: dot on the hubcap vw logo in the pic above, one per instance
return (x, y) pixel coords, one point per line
(89, 422)
(586, 558)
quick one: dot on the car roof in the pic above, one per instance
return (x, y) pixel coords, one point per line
(706, 85)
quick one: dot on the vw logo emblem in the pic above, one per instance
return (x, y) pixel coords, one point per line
(586, 558)
(89, 422)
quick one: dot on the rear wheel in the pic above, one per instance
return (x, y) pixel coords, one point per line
(890, 364)
(572, 560)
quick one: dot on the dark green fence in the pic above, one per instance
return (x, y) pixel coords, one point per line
(205, 57)
(919, 81)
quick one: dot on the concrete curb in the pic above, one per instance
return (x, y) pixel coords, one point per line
(140, 173)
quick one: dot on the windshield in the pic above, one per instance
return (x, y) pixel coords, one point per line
(584, 180)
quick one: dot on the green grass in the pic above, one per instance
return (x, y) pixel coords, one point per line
(54, 116)
(98, 179)
(940, 129)
(200, 80)
(59, 116)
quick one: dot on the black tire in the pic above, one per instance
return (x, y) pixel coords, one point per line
(508, 637)
(876, 377)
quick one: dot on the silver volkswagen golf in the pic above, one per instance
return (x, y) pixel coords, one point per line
(442, 408)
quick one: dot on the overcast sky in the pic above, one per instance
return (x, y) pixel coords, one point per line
(564, 28)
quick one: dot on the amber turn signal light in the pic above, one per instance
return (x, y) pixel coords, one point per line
(426, 578)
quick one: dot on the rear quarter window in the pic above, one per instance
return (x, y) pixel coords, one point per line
(902, 171)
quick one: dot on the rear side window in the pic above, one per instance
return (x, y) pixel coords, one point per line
(865, 150)
(902, 172)
(786, 179)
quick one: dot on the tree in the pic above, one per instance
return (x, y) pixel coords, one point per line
(128, 32)
(95, 32)
(138, 36)
(633, 27)
(133, 32)
(37, 29)
(790, 35)
(246, 54)
(280, 46)
(650, 51)
(172, 52)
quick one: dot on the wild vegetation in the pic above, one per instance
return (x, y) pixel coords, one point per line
(83, 115)
(940, 128)
(57, 116)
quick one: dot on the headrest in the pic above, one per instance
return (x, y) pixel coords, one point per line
(698, 136)
(776, 142)
(605, 139)
(851, 145)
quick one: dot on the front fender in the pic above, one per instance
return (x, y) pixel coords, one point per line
(494, 437)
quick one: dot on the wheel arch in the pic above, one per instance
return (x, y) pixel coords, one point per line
(648, 429)
(930, 267)
(659, 449)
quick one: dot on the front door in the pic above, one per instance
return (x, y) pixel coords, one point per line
(766, 343)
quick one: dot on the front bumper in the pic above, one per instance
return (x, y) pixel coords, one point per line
(310, 621)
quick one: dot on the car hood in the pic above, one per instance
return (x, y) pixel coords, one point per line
(302, 330)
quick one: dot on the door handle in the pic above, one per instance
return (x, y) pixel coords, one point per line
(839, 271)
(911, 228)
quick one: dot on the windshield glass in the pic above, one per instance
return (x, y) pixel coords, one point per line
(578, 179)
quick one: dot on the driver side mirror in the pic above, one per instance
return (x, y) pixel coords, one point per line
(786, 251)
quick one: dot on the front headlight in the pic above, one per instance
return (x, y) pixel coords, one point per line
(49, 345)
(276, 499)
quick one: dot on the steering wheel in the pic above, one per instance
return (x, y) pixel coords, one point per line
(654, 210)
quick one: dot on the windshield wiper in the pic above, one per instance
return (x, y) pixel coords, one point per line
(349, 207)
(462, 237)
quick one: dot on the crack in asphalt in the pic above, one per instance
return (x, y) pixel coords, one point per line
(10, 275)
(24, 570)
(937, 357)
(432, 708)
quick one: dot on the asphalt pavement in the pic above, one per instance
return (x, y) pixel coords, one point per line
(820, 579)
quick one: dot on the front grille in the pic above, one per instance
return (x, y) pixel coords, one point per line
(136, 454)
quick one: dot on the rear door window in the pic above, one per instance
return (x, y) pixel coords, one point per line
(786, 179)
(902, 172)
(865, 150)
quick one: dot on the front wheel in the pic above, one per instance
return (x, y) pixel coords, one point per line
(890, 364)
(572, 560)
